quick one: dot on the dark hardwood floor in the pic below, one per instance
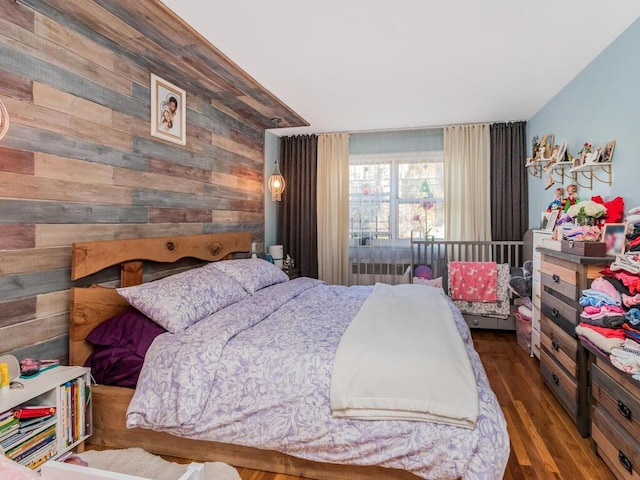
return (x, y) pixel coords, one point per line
(545, 444)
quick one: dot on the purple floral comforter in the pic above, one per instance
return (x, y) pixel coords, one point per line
(257, 373)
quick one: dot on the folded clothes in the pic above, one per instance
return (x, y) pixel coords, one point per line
(604, 320)
(606, 299)
(631, 345)
(606, 332)
(617, 284)
(629, 301)
(604, 343)
(627, 262)
(633, 317)
(601, 285)
(591, 301)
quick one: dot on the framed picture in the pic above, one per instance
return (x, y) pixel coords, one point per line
(607, 152)
(551, 222)
(546, 145)
(613, 237)
(562, 151)
(577, 162)
(168, 111)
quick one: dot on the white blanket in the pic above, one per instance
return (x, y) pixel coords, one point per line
(403, 358)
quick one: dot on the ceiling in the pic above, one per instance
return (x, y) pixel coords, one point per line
(359, 65)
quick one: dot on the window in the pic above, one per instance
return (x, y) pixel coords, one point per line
(386, 192)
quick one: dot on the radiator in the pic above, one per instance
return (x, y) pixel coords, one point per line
(368, 273)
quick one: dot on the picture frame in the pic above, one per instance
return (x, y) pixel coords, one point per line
(562, 151)
(577, 162)
(551, 221)
(546, 146)
(607, 152)
(613, 236)
(168, 111)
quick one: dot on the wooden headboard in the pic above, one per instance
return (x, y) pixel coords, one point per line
(92, 305)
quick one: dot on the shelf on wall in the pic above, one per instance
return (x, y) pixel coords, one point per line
(600, 171)
(582, 175)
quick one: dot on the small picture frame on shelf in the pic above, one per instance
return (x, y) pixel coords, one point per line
(577, 162)
(613, 236)
(562, 152)
(552, 219)
(593, 156)
(607, 152)
(546, 146)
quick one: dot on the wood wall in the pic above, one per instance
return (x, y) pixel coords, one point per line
(79, 163)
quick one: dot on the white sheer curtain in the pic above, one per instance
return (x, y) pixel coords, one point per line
(467, 199)
(333, 208)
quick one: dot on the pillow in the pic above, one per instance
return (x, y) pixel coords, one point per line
(121, 343)
(252, 273)
(178, 301)
(435, 282)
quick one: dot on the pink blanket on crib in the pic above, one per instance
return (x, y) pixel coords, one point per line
(473, 281)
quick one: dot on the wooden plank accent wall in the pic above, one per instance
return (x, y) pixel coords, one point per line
(79, 163)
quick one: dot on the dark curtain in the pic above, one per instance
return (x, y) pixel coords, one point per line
(297, 219)
(509, 191)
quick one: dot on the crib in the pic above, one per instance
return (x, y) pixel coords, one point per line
(437, 254)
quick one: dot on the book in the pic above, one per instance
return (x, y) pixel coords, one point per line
(31, 412)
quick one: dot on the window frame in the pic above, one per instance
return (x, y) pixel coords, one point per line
(395, 160)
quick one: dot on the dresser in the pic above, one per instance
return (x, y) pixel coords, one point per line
(538, 236)
(615, 417)
(563, 359)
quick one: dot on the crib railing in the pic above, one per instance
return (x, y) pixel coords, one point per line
(369, 269)
(438, 253)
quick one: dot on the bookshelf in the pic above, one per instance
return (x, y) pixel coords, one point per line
(32, 442)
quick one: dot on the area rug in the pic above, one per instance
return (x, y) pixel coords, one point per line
(136, 461)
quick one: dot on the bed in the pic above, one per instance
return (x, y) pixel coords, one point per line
(402, 449)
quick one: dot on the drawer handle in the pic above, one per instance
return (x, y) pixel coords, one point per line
(625, 462)
(555, 378)
(554, 344)
(555, 312)
(555, 277)
(624, 410)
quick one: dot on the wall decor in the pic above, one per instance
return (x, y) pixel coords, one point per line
(168, 111)
(607, 153)
(613, 237)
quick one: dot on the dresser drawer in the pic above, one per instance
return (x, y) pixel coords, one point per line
(563, 385)
(613, 398)
(566, 315)
(559, 345)
(565, 272)
(555, 283)
(619, 451)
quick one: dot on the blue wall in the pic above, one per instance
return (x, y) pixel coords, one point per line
(601, 104)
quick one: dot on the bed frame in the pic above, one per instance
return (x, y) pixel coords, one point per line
(92, 305)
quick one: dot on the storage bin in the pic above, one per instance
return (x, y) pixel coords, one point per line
(523, 332)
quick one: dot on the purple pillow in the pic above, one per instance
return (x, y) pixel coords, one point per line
(121, 343)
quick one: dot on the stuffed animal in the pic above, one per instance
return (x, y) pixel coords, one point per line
(522, 285)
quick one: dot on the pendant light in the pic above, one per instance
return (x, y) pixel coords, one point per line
(276, 180)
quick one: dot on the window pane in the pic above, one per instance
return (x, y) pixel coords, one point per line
(370, 179)
(431, 219)
(411, 176)
(369, 219)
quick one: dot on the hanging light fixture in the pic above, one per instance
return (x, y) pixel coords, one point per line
(276, 180)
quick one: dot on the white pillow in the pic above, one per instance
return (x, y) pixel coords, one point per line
(435, 282)
(178, 301)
